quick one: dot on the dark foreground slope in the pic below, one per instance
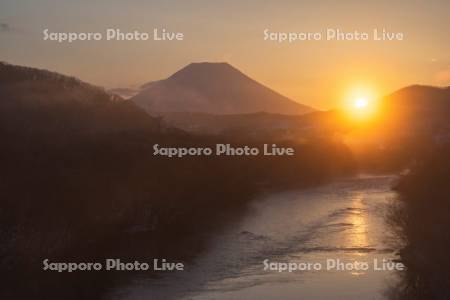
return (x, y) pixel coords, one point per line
(79, 183)
(419, 120)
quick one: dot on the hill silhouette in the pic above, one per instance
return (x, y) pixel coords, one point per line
(420, 104)
(414, 110)
(35, 100)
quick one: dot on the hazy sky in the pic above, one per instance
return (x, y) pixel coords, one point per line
(318, 73)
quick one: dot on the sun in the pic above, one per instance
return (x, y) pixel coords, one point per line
(361, 103)
(361, 107)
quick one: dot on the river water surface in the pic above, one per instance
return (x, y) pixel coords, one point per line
(344, 220)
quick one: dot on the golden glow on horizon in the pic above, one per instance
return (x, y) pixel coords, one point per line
(312, 72)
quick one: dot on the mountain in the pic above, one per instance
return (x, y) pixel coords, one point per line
(34, 100)
(216, 88)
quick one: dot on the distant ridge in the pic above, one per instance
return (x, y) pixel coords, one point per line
(420, 101)
(216, 88)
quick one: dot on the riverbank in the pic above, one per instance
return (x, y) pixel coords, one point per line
(421, 218)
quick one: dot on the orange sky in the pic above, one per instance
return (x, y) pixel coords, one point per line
(317, 73)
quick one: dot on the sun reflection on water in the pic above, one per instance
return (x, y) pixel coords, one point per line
(358, 236)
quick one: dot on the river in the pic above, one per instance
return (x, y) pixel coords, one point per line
(344, 220)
